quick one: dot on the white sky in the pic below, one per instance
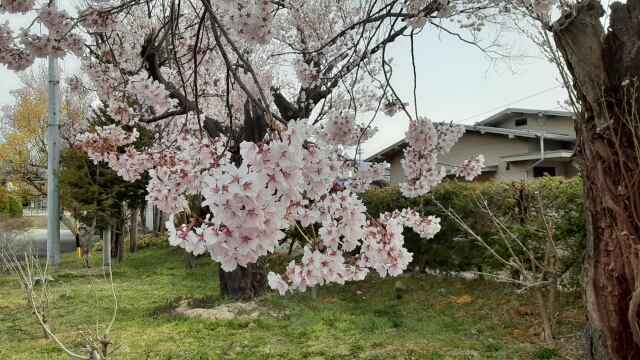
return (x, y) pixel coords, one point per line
(455, 82)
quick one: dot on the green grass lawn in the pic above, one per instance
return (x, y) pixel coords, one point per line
(339, 324)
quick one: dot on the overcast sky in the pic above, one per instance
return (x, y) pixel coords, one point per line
(455, 80)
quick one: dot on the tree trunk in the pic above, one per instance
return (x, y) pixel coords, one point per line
(243, 283)
(246, 283)
(547, 325)
(157, 221)
(87, 242)
(188, 260)
(605, 71)
(133, 231)
(117, 251)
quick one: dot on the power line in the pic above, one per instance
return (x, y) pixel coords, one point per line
(511, 103)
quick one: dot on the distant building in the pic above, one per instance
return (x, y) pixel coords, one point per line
(516, 144)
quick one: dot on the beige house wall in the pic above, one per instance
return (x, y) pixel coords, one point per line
(558, 125)
(397, 174)
(524, 170)
(493, 147)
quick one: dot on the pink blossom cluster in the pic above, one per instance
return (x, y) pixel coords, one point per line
(253, 202)
(448, 135)
(17, 6)
(19, 52)
(130, 164)
(14, 57)
(246, 223)
(383, 247)
(342, 129)
(99, 145)
(420, 163)
(42, 45)
(57, 21)
(248, 201)
(321, 167)
(98, 21)
(104, 145)
(249, 19)
(307, 74)
(316, 268)
(426, 227)
(184, 171)
(366, 173)
(420, 18)
(151, 95)
(425, 136)
(471, 168)
(392, 107)
(342, 216)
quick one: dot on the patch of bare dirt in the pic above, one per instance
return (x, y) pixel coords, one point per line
(221, 312)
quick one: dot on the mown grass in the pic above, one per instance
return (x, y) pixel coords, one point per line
(364, 320)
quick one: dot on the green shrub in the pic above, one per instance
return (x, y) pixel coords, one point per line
(13, 207)
(545, 353)
(152, 241)
(4, 199)
(517, 203)
(97, 246)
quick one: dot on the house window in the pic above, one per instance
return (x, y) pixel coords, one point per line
(521, 122)
(540, 171)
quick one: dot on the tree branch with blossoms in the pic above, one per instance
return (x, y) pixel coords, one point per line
(264, 163)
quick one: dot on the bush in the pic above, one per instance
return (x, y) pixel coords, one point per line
(516, 202)
(152, 241)
(545, 353)
(97, 246)
(13, 207)
(144, 241)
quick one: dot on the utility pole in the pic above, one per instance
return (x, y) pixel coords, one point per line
(53, 167)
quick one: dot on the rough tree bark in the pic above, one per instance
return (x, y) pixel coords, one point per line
(133, 231)
(117, 244)
(246, 283)
(605, 67)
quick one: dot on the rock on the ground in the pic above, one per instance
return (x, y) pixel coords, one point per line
(222, 312)
(42, 279)
(399, 286)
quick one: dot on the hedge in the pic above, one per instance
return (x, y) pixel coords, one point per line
(515, 203)
(11, 206)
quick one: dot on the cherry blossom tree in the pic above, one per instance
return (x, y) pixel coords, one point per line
(255, 107)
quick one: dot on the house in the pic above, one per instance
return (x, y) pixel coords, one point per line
(516, 144)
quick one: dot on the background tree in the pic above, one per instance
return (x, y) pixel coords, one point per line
(96, 195)
(23, 131)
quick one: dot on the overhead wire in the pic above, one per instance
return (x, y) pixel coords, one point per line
(511, 103)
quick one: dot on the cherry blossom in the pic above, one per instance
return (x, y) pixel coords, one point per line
(471, 168)
(250, 107)
(341, 129)
(420, 163)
